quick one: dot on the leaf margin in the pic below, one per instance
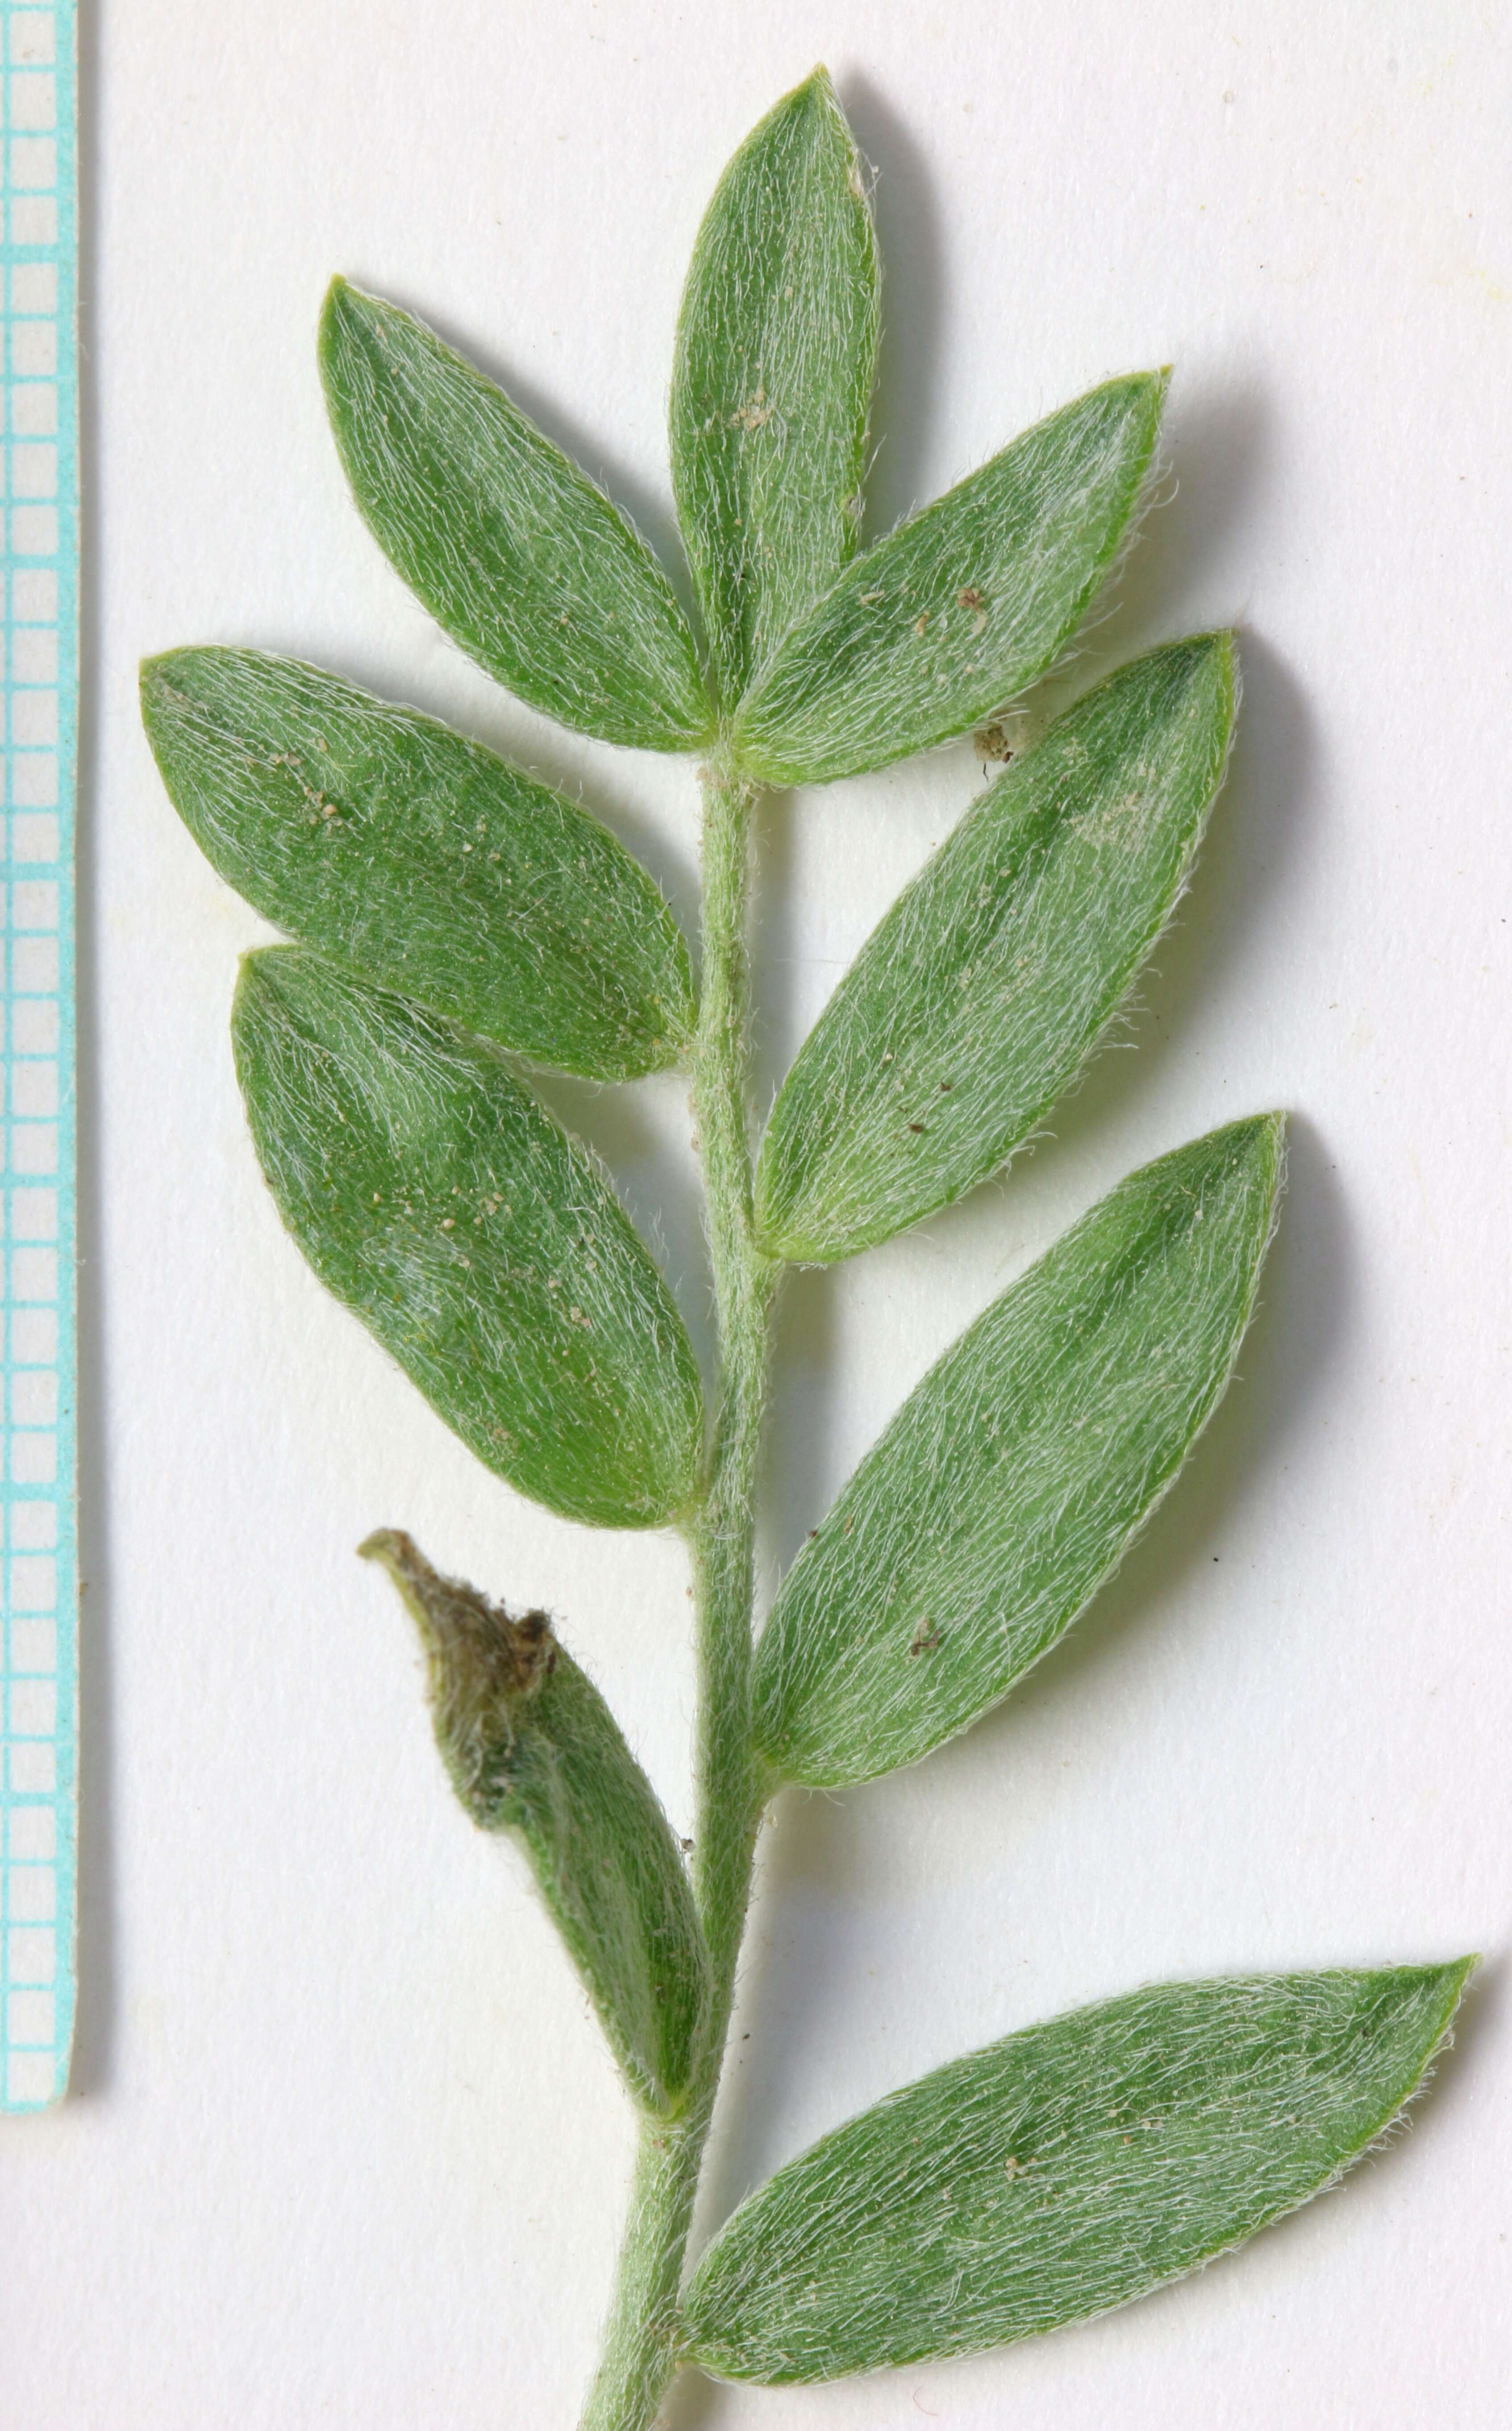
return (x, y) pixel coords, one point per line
(1449, 1978)
(757, 726)
(164, 702)
(490, 1070)
(681, 719)
(736, 655)
(776, 1227)
(778, 1638)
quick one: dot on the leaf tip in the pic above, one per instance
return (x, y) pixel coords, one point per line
(166, 680)
(1274, 1128)
(1262, 1136)
(815, 100)
(152, 690)
(1260, 1140)
(1211, 657)
(481, 1661)
(1444, 1985)
(1220, 642)
(1149, 392)
(1224, 644)
(342, 307)
(817, 88)
(258, 991)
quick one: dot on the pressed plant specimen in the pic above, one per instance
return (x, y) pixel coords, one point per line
(455, 922)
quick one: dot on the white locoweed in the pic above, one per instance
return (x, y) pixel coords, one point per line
(448, 912)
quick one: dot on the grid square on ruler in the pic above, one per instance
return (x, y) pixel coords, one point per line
(39, 624)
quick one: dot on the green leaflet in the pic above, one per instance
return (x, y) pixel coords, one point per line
(417, 857)
(434, 1196)
(932, 629)
(532, 1750)
(1009, 1483)
(1063, 2171)
(771, 382)
(512, 549)
(971, 1006)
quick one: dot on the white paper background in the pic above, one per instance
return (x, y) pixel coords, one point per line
(343, 2148)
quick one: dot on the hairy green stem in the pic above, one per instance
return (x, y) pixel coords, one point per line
(641, 2344)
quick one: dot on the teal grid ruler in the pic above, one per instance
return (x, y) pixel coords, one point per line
(38, 633)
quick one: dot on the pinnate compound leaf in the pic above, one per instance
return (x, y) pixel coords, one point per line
(771, 384)
(514, 551)
(532, 1750)
(436, 1198)
(1063, 2171)
(1010, 1481)
(971, 1008)
(933, 629)
(421, 860)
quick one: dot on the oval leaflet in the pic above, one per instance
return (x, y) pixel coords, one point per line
(517, 554)
(933, 629)
(772, 381)
(422, 861)
(975, 1000)
(436, 1198)
(1068, 2169)
(1009, 1483)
